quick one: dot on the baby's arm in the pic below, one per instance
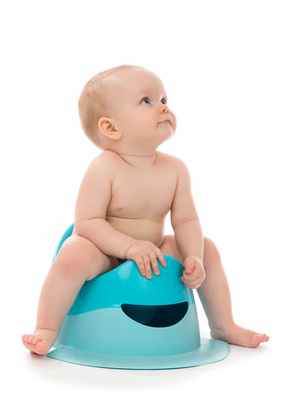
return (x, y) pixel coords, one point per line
(91, 208)
(184, 218)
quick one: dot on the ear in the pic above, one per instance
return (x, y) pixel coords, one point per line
(107, 128)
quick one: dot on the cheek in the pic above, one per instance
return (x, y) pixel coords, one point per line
(129, 120)
(145, 118)
(135, 121)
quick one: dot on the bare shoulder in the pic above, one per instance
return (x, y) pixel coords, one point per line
(103, 164)
(176, 164)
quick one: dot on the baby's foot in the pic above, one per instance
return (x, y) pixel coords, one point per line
(239, 336)
(40, 342)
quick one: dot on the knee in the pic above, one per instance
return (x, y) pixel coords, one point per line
(209, 244)
(169, 241)
(75, 255)
(211, 253)
(169, 247)
(168, 244)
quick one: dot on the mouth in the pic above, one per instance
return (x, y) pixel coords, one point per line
(158, 316)
(167, 121)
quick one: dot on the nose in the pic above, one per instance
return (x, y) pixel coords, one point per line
(164, 109)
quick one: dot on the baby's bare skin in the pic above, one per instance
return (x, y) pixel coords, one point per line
(142, 196)
(121, 207)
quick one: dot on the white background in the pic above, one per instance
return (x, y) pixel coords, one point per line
(233, 71)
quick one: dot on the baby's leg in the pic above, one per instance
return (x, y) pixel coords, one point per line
(77, 261)
(215, 297)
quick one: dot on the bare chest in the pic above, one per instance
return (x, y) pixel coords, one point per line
(142, 193)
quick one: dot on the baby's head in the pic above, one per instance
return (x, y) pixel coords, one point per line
(125, 109)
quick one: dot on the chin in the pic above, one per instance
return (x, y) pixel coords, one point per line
(169, 133)
(166, 129)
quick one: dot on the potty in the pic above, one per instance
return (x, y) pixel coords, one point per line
(122, 320)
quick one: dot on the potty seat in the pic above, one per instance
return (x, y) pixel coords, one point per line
(122, 320)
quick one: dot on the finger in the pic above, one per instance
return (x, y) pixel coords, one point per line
(147, 266)
(196, 280)
(190, 281)
(196, 283)
(189, 267)
(192, 268)
(186, 283)
(141, 265)
(188, 274)
(154, 264)
(161, 258)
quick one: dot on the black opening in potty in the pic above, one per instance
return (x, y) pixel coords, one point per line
(156, 316)
(122, 320)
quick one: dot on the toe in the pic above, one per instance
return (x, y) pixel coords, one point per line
(41, 347)
(256, 340)
(259, 338)
(35, 344)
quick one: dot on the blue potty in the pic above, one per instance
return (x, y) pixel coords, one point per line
(122, 320)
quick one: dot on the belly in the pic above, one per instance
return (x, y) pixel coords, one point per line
(140, 228)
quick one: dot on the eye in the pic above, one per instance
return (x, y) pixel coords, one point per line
(146, 99)
(164, 100)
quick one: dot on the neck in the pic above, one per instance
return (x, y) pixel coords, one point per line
(138, 159)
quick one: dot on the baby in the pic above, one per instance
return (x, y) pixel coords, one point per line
(123, 200)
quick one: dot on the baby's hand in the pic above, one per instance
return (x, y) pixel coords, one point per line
(194, 273)
(145, 253)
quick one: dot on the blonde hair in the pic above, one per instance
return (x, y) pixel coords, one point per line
(92, 105)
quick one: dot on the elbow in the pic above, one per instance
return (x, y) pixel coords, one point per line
(83, 227)
(79, 227)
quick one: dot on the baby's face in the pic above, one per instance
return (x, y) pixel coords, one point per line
(137, 103)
